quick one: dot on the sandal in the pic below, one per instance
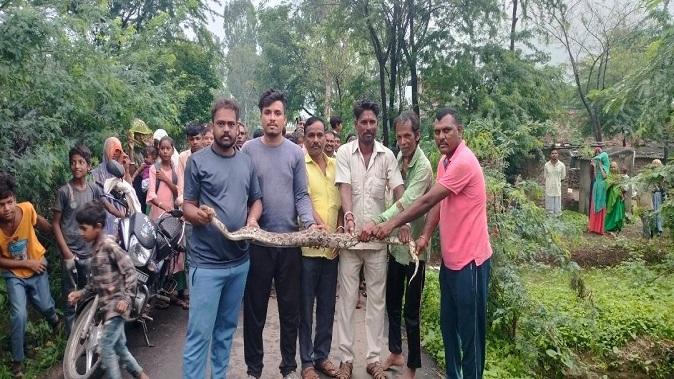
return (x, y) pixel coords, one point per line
(328, 368)
(310, 373)
(345, 370)
(376, 370)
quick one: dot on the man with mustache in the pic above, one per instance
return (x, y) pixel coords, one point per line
(330, 147)
(458, 205)
(319, 266)
(365, 169)
(281, 171)
(418, 174)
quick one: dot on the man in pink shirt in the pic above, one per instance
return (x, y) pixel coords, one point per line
(458, 204)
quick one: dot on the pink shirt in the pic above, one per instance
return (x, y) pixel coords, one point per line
(162, 193)
(464, 235)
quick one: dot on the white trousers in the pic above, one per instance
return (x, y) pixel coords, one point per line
(374, 267)
(553, 204)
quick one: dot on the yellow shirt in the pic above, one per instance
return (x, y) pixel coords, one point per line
(324, 198)
(23, 244)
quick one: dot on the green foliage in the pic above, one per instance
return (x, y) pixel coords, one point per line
(80, 72)
(644, 95)
(69, 79)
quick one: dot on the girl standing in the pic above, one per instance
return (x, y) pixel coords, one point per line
(162, 193)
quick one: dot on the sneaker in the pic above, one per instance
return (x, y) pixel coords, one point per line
(291, 375)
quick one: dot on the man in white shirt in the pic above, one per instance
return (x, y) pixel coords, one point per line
(555, 172)
(366, 169)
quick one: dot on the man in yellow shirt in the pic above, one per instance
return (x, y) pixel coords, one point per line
(23, 266)
(319, 266)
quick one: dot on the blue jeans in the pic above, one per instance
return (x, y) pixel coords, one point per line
(319, 283)
(215, 301)
(463, 318)
(113, 345)
(19, 290)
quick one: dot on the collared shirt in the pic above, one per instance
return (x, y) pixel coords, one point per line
(418, 181)
(464, 234)
(554, 174)
(324, 198)
(113, 278)
(368, 184)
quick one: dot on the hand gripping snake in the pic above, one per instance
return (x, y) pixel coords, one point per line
(308, 238)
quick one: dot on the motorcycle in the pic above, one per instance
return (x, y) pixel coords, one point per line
(150, 246)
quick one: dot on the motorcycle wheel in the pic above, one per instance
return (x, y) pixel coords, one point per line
(81, 359)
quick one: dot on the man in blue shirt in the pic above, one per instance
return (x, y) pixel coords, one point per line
(219, 182)
(281, 171)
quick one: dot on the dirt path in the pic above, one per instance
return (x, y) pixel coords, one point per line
(167, 333)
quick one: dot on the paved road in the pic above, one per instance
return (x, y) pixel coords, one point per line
(167, 333)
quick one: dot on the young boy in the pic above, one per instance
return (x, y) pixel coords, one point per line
(75, 251)
(23, 265)
(114, 280)
(141, 178)
(207, 135)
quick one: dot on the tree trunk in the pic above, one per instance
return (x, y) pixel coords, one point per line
(412, 60)
(328, 91)
(393, 77)
(596, 127)
(382, 93)
(382, 57)
(513, 26)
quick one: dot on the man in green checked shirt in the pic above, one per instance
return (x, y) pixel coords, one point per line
(417, 172)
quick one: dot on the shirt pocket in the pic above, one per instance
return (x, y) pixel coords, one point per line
(377, 187)
(356, 187)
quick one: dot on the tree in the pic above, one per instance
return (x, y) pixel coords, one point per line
(647, 94)
(242, 61)
(593, 39)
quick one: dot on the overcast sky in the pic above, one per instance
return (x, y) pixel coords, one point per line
(557, 53)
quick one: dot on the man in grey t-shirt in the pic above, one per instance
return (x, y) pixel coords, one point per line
(219, 181)
(282, 173)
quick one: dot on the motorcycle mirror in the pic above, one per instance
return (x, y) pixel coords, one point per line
(115, 168)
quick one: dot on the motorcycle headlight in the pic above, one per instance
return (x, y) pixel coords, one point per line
(138, 253)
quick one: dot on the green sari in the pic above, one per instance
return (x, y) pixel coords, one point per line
(615, 205)
(599, 191)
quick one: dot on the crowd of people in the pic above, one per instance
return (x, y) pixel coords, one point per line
(610, 188)
(279, 183)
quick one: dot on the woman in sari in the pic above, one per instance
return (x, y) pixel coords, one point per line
(615, 201)
(112, 150)
(600, 162)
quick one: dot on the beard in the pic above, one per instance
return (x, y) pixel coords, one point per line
(226, 145)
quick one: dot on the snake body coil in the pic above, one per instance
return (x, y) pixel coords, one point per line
(306, 238)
